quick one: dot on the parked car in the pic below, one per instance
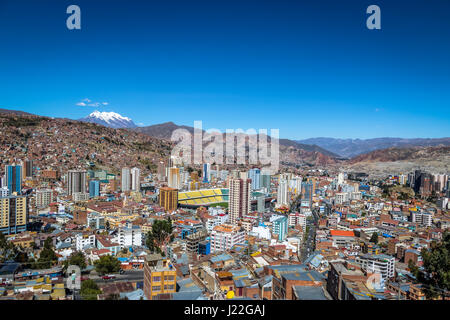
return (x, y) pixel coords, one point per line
(108, 277)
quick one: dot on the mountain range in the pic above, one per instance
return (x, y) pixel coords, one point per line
(330, 147)
(292, 153)
(164, 131)
(314, 151)
(349, 148)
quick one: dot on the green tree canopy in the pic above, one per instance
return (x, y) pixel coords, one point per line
(107, 264)
(7, 251)
(47, 257)
(435, 275)
(78, 259)
(160, 234)
(89, 290)
(374, 238)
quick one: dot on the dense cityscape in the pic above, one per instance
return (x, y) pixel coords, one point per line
(203, 159)
(175, 231)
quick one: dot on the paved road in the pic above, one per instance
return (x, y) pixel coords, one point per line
(309, 244)
(129, 275)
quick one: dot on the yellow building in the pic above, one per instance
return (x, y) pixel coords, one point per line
(117, 220)
(13, 214)
(23, 242)
(168, 199)
(159, 276)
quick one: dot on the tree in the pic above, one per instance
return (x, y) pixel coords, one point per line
(7, 249)
(107, 264)
(435, 275)
(160, 233)
(189, 169)
(374, 238)
(47, 257)
(89, 290)
(3, 241)
(78, 259)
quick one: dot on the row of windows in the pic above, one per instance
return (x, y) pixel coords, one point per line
(166, 278)
(166, 287)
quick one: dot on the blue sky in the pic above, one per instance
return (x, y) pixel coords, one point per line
(308, 68)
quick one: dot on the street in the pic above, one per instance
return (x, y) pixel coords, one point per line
(128, 275)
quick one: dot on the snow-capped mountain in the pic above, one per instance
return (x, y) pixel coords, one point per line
(109, 119)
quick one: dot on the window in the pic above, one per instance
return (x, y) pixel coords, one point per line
(156, 288)
(156, 279)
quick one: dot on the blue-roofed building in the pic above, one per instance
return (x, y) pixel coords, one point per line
(221, 257)
(310, 293)
(186, 290)
(316, 261)
(240, 273)
(285, 277)
(133, 295)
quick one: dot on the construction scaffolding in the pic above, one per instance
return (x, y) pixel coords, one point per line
(192, 242)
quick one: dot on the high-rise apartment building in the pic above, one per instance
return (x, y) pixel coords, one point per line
(282, 194)
(223, 175)
(426, 185)
(13, 214)
(279, 226)
(265, 180)
(44, 197)
(126, 179)
(239, 199)
(255, 176)
(402, 179)
(341, 178)
(14, 177)
(28, 169)
(161, 173)
(168, 199)
(308, 190)
(206, 172)
(295, 185)
(174, 178)
(94, 188)
(135, 179)
(76, 182)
